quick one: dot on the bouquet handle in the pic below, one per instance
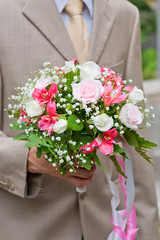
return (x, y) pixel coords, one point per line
(81, 190)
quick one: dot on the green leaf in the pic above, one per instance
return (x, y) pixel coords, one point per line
(16, 126)
(43, 143)
(143, 142)
(88, 130)
(83, 131)
(9, 111)
(73, 125)
(148, 144)
(121, 151)
(68, 134)
(116, 164)
(80, 137)
(142, 152)
(117, 148)
(44, 149)
(38, 153)
(96, 159)
(95, 131)
(53, 153)
(125, 91)
(63, 169)
(36, 141)
(31, 144)
(86, 165)
(131, 138)
(21, 136)
(69, 77)
(90, 121)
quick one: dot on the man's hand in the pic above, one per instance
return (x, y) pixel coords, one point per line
(82, 177)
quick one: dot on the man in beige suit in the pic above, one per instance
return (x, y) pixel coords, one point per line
(35, 202)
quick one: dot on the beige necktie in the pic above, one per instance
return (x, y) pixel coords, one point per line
(77, 29)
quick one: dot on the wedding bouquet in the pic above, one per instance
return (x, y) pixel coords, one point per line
(68, 112)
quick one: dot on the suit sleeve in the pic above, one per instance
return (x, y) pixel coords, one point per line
(145, 196)
(13, 164)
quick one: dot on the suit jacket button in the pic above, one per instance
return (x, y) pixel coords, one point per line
(1, 182)
(11, 187)
(4, 183)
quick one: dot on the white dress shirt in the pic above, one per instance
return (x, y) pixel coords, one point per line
(87, 13)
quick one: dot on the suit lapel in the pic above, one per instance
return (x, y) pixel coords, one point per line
(44, 15)
(103, 19)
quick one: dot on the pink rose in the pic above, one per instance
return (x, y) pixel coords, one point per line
(88, 90)
(130, 116)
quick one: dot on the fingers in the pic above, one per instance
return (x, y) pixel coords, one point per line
(79, 182)
(82, 177)
(84, 173)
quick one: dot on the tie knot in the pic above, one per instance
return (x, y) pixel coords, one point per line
(74, 7)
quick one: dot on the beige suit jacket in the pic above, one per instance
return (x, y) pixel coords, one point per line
(38, 207)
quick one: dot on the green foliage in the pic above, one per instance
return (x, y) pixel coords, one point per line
(69, 76)
(131, 138)
(15, 126)
(142, 5)
(142, 152)
(21, 136)
(116, 164)
(121, 151)
(149, 61)
(35, 141)
(148, 27)
(141, 145)
(73, 125)
(96, 159)
(81, 137)
(144, 143)
(148, 18)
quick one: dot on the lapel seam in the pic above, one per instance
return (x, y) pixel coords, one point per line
(45, 17)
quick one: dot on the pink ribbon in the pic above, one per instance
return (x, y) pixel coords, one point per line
(124, 221)
(131, 232)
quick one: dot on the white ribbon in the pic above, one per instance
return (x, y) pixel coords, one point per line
(119, 220)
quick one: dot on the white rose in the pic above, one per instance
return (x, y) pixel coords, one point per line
(60, 126)
(136, 95)
(34, 109)
(89, 70)
(42, 83)
(130, 116)
(103, 122)
(69, 65)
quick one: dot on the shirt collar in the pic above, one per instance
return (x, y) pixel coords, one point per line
(89, 5)
(62, 3)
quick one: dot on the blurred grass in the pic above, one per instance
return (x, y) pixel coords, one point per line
(148, 28)
(149, 63)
